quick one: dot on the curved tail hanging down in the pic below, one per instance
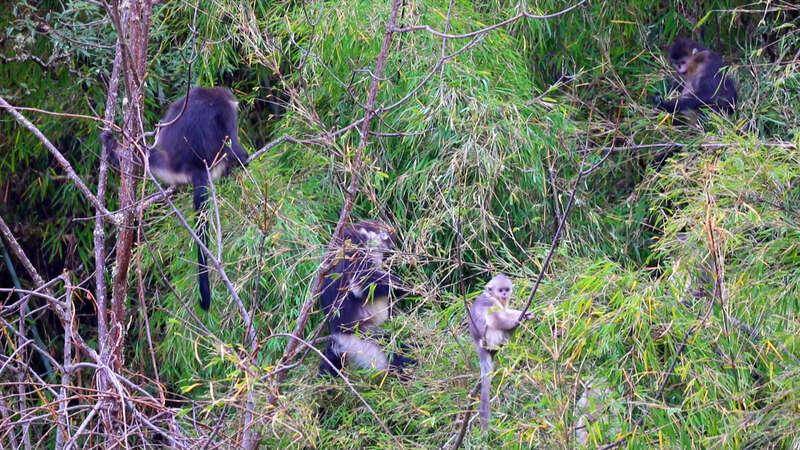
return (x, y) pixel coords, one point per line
(485, 360)
(200, 183)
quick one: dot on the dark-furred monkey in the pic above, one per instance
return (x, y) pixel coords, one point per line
(197, 142)
(357, 297)
(702, 77)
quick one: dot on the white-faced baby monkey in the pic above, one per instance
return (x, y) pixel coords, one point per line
(198, 141)
(491, 323)
(701, 73)
(356, 298)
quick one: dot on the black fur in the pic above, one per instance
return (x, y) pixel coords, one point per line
(702, 75)
(343, 307)
(199, 137)
(205, 133)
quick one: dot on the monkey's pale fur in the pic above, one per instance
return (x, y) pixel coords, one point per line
(491, 322)
(373, 241)
(360, 351)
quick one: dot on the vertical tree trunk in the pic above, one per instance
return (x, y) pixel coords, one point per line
(101, 300)
(132, 20)
(135, 24)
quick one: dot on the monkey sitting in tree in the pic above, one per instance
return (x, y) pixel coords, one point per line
(198, 142)
(701, 74)
(357, 297)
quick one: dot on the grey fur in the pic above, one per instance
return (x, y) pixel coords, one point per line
(491, 322)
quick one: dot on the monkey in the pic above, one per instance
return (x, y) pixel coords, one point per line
(491, 323)
(198, 141)
(702, 74)
(357, 297)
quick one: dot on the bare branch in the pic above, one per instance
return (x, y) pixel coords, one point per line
(346, 381)
(564, 216)
(61, 160)
(17, 250)
(101, 300)
(62, 430)
(472, 34)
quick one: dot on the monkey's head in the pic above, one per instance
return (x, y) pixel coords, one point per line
(681, 52)
(375, 237)
(696, 63)
(499, 288)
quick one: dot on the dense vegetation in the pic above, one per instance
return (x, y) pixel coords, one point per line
(674, 293)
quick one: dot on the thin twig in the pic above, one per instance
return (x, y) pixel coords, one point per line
(346, 381)
(462, 431)
(62, 429)
(472, 34)
(564, 216)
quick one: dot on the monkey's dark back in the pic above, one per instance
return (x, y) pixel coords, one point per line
(203, 128)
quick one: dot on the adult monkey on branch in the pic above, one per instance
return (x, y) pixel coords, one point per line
(352, 188)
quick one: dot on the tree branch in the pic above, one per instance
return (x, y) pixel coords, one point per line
(472, 34)
(104, 213)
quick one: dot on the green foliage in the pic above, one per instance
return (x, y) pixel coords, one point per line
(487, 145)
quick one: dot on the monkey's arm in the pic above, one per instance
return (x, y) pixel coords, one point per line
(506, 320)
(704, 94)
(681, 104)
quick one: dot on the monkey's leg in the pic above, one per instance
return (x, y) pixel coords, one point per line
(399, 361)
(485, 359)
(363, 353)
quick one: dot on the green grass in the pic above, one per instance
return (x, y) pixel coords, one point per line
(491, 149)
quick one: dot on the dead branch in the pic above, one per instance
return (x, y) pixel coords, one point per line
(104, 213)
(134, 24)
(564, 216)
(62, 429)
(521, 15)
(17, 250)
(99, 239)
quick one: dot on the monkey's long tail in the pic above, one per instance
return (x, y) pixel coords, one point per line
(485, 359)
(200, 183)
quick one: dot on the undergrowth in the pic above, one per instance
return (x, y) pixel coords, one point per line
(488, 148)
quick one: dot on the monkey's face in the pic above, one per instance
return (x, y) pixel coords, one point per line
(501, 290)
(378, 242)
(682, 64)
(371, 236)
(680, 54)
